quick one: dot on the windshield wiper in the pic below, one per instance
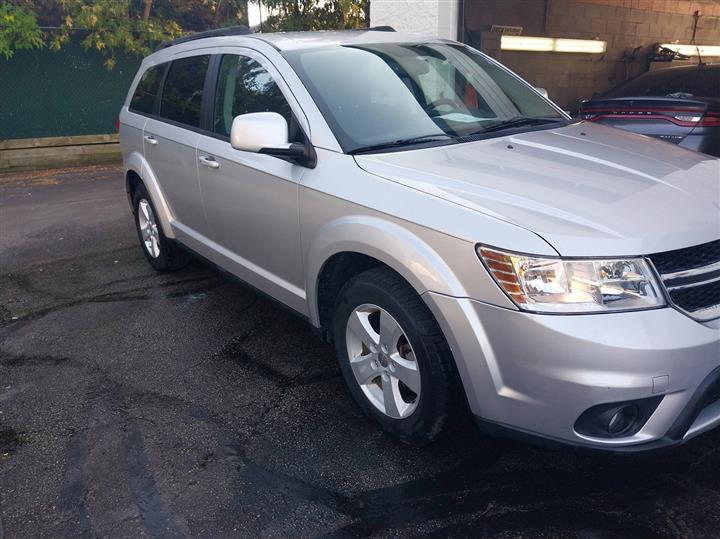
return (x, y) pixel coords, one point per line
(440, 137)
(519, 121)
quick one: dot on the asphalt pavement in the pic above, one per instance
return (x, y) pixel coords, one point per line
(185, 404)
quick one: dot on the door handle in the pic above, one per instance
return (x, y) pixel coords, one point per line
(150, 140)
(208, 161)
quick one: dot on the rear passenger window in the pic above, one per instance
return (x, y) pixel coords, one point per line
(143, 100)
(183, 91)
(245, 86)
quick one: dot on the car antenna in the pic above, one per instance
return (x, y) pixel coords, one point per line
(696, 17)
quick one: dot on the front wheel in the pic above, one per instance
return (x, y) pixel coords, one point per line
(395, 359)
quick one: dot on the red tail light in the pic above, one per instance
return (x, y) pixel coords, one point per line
(117, 124)
(685, 117)
(711, 119)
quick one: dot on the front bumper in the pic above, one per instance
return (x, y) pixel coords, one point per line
(536, 374)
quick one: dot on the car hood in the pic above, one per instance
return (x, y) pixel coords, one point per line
(587, 189)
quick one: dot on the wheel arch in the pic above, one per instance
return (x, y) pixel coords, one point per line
(137, 171)
(351, 245)
(132, 180)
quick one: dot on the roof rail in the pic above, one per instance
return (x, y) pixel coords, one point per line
(228, 31)
(383, 28)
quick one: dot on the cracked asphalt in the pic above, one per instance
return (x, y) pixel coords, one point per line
(138, 404)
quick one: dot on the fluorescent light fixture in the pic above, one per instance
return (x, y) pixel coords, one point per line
(580, 45)
(552, 44)
(524, 43)
(692, 50)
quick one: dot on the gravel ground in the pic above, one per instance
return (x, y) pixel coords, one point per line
(133, 403)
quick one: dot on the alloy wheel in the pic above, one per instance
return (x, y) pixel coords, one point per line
(148, 228)
(383, 361)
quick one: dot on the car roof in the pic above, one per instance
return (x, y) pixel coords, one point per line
(305, 40)
(283, 41)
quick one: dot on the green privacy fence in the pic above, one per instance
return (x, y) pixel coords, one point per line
(69, 92)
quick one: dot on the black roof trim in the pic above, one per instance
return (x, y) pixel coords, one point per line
(383, 28)
(218, 32)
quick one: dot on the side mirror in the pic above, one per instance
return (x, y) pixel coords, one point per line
(267, 133)
(543, 92)
(259, 130)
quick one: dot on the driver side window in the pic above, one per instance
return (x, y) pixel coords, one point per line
(245, 86)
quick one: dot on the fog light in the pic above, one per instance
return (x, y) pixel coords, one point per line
(616, 419)
(622, 419)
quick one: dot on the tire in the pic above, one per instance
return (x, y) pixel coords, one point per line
(416, 418)
(162, 253)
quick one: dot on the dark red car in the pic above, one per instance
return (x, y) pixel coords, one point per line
(678, 104)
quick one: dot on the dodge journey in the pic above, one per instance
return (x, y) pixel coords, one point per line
(469, 249)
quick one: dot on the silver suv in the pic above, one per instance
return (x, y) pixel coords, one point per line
(469, 249)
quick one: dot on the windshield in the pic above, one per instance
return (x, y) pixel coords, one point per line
(389, 93)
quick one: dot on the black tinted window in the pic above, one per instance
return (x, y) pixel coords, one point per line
(143, 99)
(701, 82)
(245, 86)
(182, 93)
(646, 84)
(708, 82)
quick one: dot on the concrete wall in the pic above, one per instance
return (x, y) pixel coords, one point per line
(624, 24)
(432, 17)
(50, 152)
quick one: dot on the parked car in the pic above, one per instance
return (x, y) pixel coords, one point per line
(680, 105)
(467, 247)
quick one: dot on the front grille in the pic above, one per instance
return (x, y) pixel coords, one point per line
(697, 297)
(688, 258)
(692, 278)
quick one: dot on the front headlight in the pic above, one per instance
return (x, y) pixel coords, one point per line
(556, 285)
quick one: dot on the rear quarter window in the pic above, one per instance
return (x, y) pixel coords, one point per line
(143, 99)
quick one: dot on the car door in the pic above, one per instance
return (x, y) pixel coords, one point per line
(170, 138)
(251, 199)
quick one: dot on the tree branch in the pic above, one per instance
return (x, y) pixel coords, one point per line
(148, 7)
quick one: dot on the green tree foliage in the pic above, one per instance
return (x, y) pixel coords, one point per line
(198, 15)
(18, 29)
(111, 25)
(136, 26)
(290, 15)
